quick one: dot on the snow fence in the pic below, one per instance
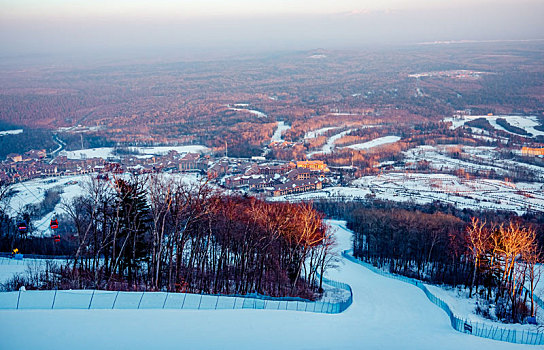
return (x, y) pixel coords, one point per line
(99, 299)
(464, 326)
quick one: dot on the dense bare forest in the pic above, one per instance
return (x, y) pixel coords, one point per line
(155, 233)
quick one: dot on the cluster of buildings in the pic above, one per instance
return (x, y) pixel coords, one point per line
(529, 151)
(255, 175)
(279, 179)
(34, 164)
(19, 167)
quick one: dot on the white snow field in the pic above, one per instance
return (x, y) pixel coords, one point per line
(527, 123)
(426, 188)
(107, 152)
(385, 314)
(11, 132)
(32, 192)
(380, 141)
(277, 137)
(10, 267)
(252, 111)
(464, 308)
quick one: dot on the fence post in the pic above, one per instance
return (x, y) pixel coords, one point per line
(18, 298)
(140, 300)
(54, 298)
(216, 302)
(165, 299)
(184, 297)
(91, 301)
(234, 306)
(115, 300)
(200, 302)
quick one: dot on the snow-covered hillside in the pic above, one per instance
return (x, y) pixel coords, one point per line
(386, 314)
(380, 141)
(526, 123)
(277, 137)
(107, 152)
(32, 192)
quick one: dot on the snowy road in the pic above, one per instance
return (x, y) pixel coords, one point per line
(386, 314)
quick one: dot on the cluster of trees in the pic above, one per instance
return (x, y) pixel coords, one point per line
(505, 261)
(440, 243)
(497, 262)
(484, 124)
(156, 233)
(302, 125)
(409, 242)
(50, 200)
(512, 128)
(25, 141)
(243, 139)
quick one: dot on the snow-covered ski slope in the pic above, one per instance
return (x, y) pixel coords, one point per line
(386, 314)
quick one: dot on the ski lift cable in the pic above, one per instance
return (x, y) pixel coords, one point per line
(46, 218)
(28, 189)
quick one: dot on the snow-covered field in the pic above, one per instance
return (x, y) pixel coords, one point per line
(385, 314)
(374, 143)
(527, 123)
(463, 193)
(328, 192)
(11, 267)
(106, 152)
(11, 132)
(481, 159)
(427, 188)
(252, 111)
(32, 192)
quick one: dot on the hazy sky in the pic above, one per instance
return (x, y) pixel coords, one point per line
(60, 26)
(206, 8)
